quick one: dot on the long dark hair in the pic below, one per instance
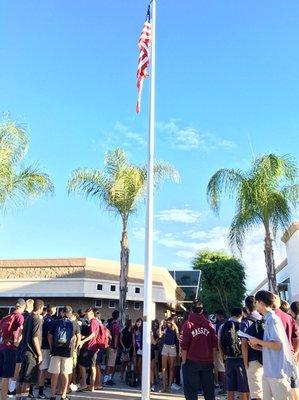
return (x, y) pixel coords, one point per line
(136, 328)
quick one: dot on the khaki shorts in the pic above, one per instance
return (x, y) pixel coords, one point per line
(169, 350)
(218, 363)
(255, 379)
(277, 389)
(61, 365)
(111, 357)
(44, 365)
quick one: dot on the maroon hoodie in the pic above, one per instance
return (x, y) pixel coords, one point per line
(199, 339)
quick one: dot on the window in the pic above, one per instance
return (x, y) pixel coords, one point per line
(98, 303)
(137, 290)
(136, 305)
(127, 305)
(111, 303)
(112, 288)
(5, 310)
(99, 286)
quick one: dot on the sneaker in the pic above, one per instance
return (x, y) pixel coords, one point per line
(153, 389)
(110, 382)
(73, 387)
(30, 396)
(42, 396)
(174, 386)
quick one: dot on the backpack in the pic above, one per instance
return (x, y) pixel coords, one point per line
(131, 379)
(6, 328)
(229, 339)
(103, 337)
(63, 333)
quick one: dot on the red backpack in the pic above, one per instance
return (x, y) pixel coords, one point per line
(6, 328)
(103, 337)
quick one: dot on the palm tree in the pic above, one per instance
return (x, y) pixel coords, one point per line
(265, 196)
(119, 188)
(18, 183)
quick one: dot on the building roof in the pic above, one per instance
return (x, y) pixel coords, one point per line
(290, 232)
(89, 268)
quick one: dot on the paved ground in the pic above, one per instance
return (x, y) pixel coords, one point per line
(119, 395)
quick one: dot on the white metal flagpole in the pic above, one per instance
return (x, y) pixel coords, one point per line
(147, 306)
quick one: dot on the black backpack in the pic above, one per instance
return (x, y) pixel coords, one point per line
(131, 379)
(229, 339)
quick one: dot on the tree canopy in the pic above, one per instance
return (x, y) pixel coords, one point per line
(18, 182)
(222, 282)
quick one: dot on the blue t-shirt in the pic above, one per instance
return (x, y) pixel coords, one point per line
(170, 337)
(252, 325)
(47, 326)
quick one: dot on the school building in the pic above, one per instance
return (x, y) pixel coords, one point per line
(288, 270)
(83, 283)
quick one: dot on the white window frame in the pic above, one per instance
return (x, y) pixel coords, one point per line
(98, 285)
(113, 291)
(95, 303)
(139, 305)
(114, 304)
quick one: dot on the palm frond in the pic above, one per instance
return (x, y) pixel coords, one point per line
(13, 142)
(223, 181)
(91, 183)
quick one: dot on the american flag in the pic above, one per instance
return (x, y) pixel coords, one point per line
(144, 56)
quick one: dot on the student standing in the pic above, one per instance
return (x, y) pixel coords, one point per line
(230, 350)
(31, 350)
(10, 331)
(137, 347)
(253, 360)
(88, 353)
(63, 337)
(278, 361)
(47, 326)
(126, 345)
(169, 353)
(197, 347)
(114, 329)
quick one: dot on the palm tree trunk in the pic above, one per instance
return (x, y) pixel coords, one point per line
(269, 259)
(124, 272)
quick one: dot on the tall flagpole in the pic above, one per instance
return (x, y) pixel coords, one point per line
(147, 306)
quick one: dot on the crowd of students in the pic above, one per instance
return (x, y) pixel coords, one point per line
(253, 353)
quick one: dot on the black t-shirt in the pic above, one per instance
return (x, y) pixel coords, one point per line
(32, 328)
(47, 325)
(127, 338)
(65, 351)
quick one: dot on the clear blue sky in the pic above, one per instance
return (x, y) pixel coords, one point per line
(226, 72)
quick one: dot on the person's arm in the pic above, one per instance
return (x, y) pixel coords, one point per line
(36, 334)
(134, 345)
(50, 340)
(295, 337)
(177, 332)
(121, 341)
(93, 334)
(244, 348)
(185, 342)
(268, 344)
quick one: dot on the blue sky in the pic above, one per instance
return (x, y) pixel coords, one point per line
(227, 75)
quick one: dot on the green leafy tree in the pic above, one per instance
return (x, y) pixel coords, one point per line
(119, 188)
(222, 282)
(18, 182)
(265, 196)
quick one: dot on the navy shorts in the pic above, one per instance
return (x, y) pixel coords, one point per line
(7, 362)
(19, 355)
(87, 358)
(235, 375)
